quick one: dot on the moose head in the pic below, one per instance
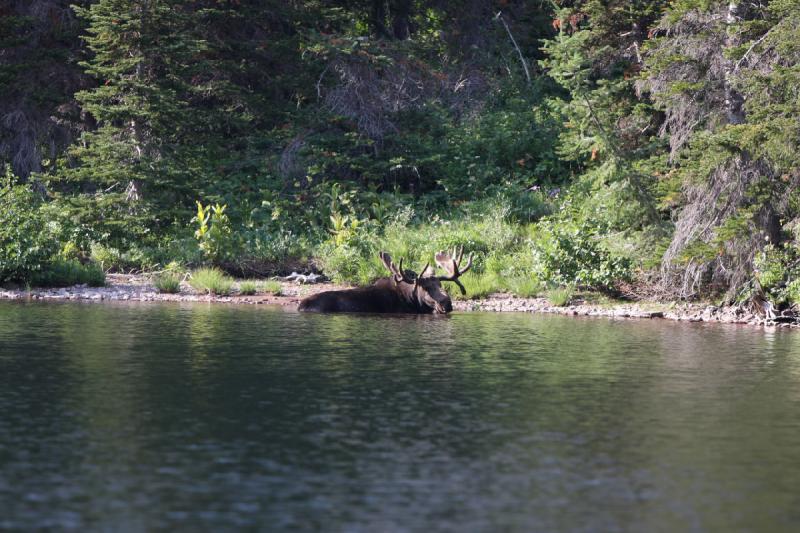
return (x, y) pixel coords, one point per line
(424, 290)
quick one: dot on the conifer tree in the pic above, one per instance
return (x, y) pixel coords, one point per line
(608, 131)
(127, 169)
(710, 68)
(186, 94)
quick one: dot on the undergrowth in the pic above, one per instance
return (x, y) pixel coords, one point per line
(508, 256)
(67, 272)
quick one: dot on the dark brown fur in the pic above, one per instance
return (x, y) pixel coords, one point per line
(403, 292)
(384, 296)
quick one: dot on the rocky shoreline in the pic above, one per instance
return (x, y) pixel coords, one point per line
(680, 312)
(137, 288)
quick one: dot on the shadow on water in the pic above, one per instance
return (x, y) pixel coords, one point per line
(150, 417)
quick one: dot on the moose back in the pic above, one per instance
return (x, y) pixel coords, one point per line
(404, 291)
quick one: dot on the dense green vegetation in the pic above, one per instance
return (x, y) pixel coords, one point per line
(648, 148)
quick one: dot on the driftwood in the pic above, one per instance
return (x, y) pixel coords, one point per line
(305, 279)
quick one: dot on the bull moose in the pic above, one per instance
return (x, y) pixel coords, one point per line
(403, 292)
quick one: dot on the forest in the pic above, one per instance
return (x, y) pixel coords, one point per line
(647, 149)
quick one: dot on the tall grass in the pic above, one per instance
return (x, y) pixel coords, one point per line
(211, 281)
(524, 286)
(477, 286)
(248, 288)
(482, 234)
(560, 296)
(272, 287)
(167, 282)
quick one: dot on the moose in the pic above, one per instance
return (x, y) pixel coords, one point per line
(404, 291)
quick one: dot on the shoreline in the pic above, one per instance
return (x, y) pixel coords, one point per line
(137, 288)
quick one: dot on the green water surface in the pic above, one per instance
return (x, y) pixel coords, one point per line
(195, 417)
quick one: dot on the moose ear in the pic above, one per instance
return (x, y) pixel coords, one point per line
(386, 259)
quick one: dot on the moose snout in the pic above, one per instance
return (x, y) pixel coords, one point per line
(443, 307)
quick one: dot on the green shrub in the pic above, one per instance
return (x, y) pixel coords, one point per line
(26, 244)
(345, 264)
(167, 282)
(106, 256)
(67, 272)
(214, 233)
(793, 291)
(272, 287)
(247, 288)
(777, 271)
(274, 244)
(560, 296)
(146, 257)
(211, 281)
(565, 253)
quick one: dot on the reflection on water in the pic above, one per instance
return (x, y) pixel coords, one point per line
(151, 417)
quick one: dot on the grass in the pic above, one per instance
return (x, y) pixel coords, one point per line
(67, 272)
(524, 286)
(486, 233)
(560, 296)
(272, 287)
(211, 281)
(248, 288)
(168, 282)
(478, 286)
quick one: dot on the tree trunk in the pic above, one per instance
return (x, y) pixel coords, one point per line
(401, 19)
(379, 18)
(733, 99)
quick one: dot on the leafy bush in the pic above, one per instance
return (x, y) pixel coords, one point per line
(167, 282)
(214, 233)
(106, 256)
(271, 243)
(346, 264)
(26, 243)
(777, 270)
(565, 253)
(67, 272)
(211, 281)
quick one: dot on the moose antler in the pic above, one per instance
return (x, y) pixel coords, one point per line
(398, 274)
(451, 263)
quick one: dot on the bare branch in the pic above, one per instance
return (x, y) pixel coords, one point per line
(522, 60)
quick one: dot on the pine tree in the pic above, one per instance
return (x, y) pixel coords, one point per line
(711, 67)
(183, 92)
(608, 131)
(127, 169)
(38, 75)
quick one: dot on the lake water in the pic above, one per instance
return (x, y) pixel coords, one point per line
(215, 418)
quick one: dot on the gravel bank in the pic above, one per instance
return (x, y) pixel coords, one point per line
(681, 312)
(137, 288)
